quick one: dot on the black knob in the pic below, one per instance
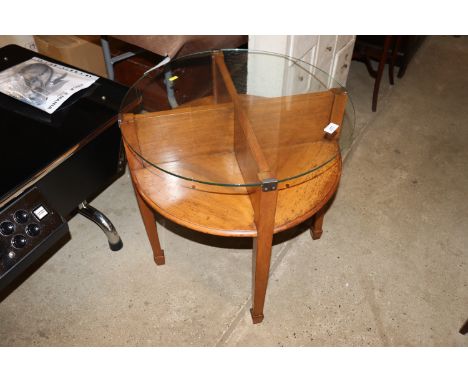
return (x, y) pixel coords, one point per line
(33, 229)
(7, 228)
(19, 241)
(21, 216)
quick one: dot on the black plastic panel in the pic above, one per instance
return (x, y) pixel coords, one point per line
(39, 229)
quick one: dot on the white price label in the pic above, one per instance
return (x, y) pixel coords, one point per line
(40, 212)
(331, 128)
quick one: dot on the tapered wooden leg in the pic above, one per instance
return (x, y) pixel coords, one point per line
(316, 229)
(261, 266)
(135, 163)
(149, 221)
(262, 251)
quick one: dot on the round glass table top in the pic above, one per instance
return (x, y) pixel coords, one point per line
(236, 118)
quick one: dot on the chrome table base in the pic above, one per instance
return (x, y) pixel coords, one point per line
(115, 243)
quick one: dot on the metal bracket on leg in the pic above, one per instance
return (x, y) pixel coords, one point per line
(269, 184)
(115, 243)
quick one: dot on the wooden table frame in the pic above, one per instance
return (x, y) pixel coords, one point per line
(255, 211)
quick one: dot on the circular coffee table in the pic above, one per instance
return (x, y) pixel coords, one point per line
(236, 143)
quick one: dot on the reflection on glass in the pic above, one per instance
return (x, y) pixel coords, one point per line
(235, 117)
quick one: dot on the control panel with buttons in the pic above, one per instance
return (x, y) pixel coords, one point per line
(28, 228)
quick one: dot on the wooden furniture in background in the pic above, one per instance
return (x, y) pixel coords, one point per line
(394, 51)
(232, 164)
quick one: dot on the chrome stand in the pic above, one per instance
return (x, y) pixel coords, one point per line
(115, 243)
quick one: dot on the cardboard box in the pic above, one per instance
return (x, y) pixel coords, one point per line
(24, 41)
(84, 52)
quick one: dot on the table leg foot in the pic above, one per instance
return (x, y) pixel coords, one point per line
(256, 319)
(316, 229)
(159, 259)
(316, 234)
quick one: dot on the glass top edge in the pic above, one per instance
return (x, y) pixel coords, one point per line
(220, 184)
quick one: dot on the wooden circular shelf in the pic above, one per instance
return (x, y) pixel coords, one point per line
(227, 211)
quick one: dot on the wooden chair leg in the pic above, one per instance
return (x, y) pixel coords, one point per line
(261, 270)
(382, 62)
(404, 59)
(316, 229)
(149, 221)
(391, 66)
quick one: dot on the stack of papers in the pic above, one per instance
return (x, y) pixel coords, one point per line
(43, 84)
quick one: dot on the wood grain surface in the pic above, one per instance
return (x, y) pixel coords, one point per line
(238, 142)
(228, 211)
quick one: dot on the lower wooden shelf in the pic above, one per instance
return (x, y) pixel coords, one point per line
(227, 211)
